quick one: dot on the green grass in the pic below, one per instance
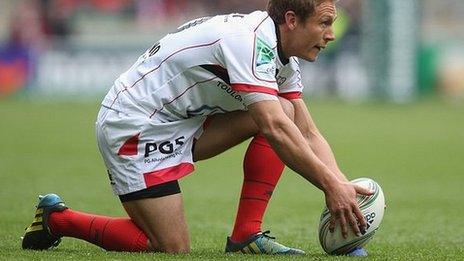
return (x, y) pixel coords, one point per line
(415, 151)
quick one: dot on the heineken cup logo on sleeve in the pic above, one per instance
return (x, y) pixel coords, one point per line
(265, 65)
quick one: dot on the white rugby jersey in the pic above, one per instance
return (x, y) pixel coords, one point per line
(205, 67)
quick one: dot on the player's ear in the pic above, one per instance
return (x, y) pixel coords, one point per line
(291, 20)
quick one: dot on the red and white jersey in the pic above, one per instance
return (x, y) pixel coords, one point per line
(205, 68)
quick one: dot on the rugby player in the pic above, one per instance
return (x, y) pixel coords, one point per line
(210, 85)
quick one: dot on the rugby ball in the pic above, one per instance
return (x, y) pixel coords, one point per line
(372, 208)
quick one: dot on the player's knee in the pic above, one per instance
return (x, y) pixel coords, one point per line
(288, 108)
(173, 244)
(175, 247)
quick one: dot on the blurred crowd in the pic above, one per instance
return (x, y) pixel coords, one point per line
(37, 22)
(38, 19)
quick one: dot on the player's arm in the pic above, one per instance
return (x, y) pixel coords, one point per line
(288, 142)
(314, 138)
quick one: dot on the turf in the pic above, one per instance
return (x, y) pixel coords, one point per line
(415, 151)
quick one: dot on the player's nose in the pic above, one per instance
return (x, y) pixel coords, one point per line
(329, 35)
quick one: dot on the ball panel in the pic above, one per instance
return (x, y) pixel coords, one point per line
(360, 241)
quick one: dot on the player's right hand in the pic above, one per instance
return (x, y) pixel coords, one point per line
(342, 204)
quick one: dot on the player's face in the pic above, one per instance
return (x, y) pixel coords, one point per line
(313, 35)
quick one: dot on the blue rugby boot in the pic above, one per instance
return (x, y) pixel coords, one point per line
(38, 235)
(261, 243)
(358, 252)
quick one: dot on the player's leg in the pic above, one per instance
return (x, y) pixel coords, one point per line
(148, 189)
(157, 223)
(144, 168)
(54, 220)
(162, 219)
(262, 170)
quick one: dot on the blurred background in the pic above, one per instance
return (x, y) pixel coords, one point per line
(395, 50)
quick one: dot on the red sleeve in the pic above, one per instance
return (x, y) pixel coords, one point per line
(291, 95)
(241, 87)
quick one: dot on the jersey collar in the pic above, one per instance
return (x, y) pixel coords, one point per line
(280, 52)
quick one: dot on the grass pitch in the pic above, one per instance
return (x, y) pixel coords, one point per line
(415, 152)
